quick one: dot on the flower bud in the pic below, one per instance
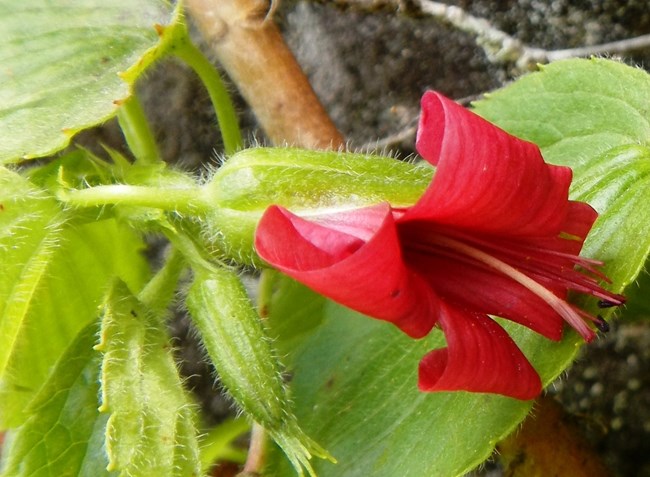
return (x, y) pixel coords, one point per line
(240, 350)
(308, 183)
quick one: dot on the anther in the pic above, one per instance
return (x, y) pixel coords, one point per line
(607, 304)
(601, 324)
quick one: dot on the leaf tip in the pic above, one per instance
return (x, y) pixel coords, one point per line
(68, 132)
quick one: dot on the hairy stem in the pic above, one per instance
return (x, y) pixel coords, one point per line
(160, 291)
(183, 200)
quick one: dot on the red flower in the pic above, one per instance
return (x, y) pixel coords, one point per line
(494, 234)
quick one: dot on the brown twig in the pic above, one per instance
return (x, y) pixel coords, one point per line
(503, 48)
(251, 49)
(627, 45)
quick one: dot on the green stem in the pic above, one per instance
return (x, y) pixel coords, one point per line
(161, 289)
(188, 200)
(192, 253)
(223, 106)
(137, 132)
(265, 291)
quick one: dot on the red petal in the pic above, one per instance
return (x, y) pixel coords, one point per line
(480, 357)
(577, 224)
(486, 179)
(368, 276)
(475, 286)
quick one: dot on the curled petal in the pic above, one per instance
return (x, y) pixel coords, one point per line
(480, 357)
(578, 222)
(486, 180)
(368, 275)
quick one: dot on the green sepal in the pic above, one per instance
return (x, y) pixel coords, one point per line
(306, 182)
(240, 349)
(150, 429)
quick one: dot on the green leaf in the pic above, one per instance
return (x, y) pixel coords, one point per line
(30, 229)
(77, 168)
(591, 115)
(638, 298)
(355, 387)
(64, 434)
(355, 379)
(54, 275)
(150, 430)
(67, 65)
